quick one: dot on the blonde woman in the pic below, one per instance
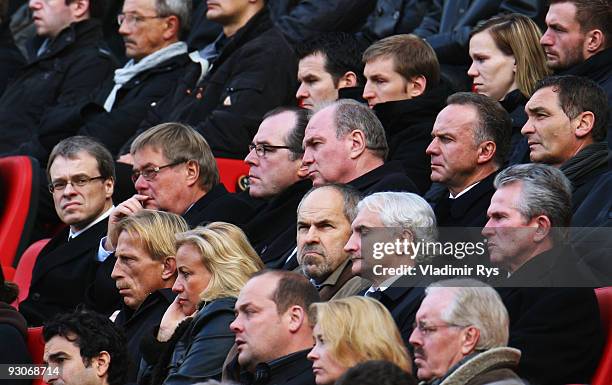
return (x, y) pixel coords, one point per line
(507, 61)
(352, 330)
(213, 263)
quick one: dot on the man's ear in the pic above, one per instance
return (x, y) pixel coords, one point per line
(594, 41)
(296, 316)
(486, 151)
(543, 228)
(172, 30)
(416, 86)
(470, 337)
(80, 9)
(169, 268)
(584, 124)
(357, 143)
(193, 172)
(349, 79)
(109, 187)
(101, 363)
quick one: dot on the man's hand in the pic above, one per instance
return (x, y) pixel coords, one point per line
(126, 208)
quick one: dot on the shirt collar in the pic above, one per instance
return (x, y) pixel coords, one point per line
(106, 214)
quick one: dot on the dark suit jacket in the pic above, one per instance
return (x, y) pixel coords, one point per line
(469, 210)
(62, 274)
(558, 330)
(388, 177)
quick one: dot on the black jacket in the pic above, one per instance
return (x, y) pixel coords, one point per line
(514, 104)
(195, 353)
(135, 323)
(392, 17)
(292, 369)
(12, 59)
(62, 273)
(408, 125)
(388, 177)
(272, 230)
(114, 128)
(469, 210)
(75, 63)
(553, 325)
(14, 337)
(254, 73)
(448, 25)
(220, 205)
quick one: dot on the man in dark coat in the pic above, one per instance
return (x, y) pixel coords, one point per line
(471, 138)
(589, 52)
(272, 342)
(525, 236)
(70, 62)
(274, 176)
(401, 294)
(567, 129)
(253, 71)
(345, 143)
(157, 60)
(81, 177)
(144, 272)
(404, 88)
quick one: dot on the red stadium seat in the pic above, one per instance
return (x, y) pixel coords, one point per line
(8, 272)
(603, 375)
(19, 201)
(23, 274)
(234, 173)
(36, 346)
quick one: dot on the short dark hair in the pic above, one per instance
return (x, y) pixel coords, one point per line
(593, 14)
(72, 146)
(292, 289)
(97, 8)
(92, 333)
(296, 135)
(494, 122)
(341, 50)
(376, 373)
(578, 94)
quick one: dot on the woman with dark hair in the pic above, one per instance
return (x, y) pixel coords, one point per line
(192, 341)
(13, 330)
(507, 61)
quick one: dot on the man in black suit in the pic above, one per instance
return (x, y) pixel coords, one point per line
(409, 214)
(471, 138)
(82, 176)
(344, 142)
(549, 323)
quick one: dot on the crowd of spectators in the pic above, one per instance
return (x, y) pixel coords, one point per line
(362, 122)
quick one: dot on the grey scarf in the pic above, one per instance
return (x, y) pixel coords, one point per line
(584, 162)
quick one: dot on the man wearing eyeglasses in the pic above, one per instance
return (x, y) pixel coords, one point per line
(276, 176)
(151, 30)
(69, 60)
(81, 176)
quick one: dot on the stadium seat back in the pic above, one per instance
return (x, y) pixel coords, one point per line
(19, 202)
(23, 273)
(233, 173)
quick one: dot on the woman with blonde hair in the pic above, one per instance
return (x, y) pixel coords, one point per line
(507, 61)
(190, 345)
(352, 330)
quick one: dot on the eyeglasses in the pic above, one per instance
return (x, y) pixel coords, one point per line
(131, 19)
(426, 329)
(261, 149)
(150, 173)
(75, 181)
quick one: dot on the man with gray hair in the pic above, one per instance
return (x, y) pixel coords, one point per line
(391, 216)
(471, 138)
(323, 227)
(345, 142)
(461, 336)
(550, 324)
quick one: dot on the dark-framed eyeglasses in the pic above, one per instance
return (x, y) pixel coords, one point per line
(261, 149)
(131, 18)
(75, 181)
(150, 173)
